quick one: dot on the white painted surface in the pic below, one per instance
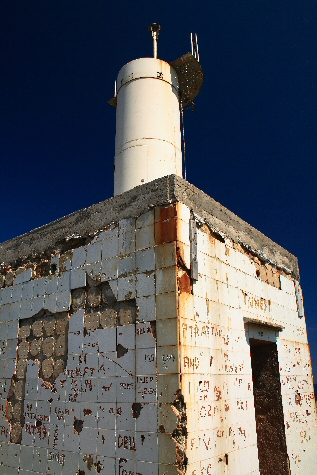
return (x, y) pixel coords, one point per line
(148, 138)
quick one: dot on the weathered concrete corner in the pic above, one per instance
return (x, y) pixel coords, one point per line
(163, 191)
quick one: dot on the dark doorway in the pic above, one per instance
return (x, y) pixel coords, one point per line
(272, 450)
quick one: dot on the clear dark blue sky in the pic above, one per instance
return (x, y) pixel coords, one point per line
(251, 141)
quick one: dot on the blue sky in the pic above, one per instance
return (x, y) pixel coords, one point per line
(251, 141)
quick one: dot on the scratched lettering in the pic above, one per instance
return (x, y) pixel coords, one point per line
(123, 470)
(258, 303)
(145, 379)
(204, 389)
(201, 332)
(150, 357)
(196, 330)
(146, 391)
(128, 386)
(191, 362)
(242, 432)
(233, 368)
(127, 442)
(4, 431)
(107, 388)
(167, 358)
(144, 331)
(206, 411)
(205, 470)
(146, 386)
(40, 431)
(59, 457)
(218, 393)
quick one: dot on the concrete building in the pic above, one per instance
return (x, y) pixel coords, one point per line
(155, 333)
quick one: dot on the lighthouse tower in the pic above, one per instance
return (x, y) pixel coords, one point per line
(149, 97)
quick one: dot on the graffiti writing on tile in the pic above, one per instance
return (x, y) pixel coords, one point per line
(123, 470)
(256, 302)
(204, 390)
(41, 339)
(42, 356)
(200, 333)
(146, 387)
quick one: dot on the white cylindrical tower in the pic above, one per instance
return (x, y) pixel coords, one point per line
(149, 95)
(148, 137)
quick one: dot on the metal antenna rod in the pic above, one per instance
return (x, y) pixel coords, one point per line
(155, 29)
(194, 43)
(183, 140)
(197, 51)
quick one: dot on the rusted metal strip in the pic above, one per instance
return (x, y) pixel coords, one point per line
(193, 249)
(299, 299)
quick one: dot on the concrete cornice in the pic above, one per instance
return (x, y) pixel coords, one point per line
(160, 192)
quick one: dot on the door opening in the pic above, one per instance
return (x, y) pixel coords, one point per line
(272, 449)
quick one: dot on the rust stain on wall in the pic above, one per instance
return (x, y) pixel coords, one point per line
(184, 282)
(167, 212)
(166, 226)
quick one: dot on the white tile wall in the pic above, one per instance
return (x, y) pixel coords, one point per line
(109, 370)
(79, 257)
(23, 277)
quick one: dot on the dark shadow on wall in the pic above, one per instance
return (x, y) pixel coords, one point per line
(272, 449)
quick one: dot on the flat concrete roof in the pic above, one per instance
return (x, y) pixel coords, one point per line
(160, 192)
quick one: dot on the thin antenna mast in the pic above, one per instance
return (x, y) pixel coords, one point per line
(155, 29)
(194, 42)
(183, 139)
(188, 89)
